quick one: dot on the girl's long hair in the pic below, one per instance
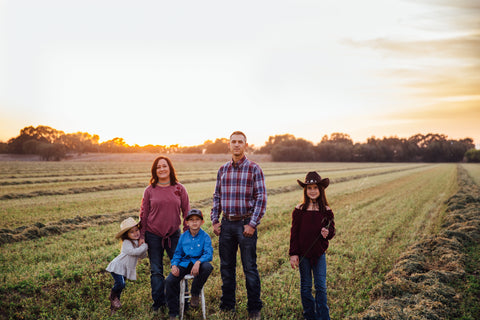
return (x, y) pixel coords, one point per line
(322, 199)
(154, 178)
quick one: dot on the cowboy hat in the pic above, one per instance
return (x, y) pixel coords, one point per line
(126, 225)
(314, 178)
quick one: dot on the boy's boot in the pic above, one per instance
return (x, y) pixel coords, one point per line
(195, 301)
(114, 302)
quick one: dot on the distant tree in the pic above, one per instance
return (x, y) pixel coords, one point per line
(51, 151)
(293, 150)
(218, 147)
(275, 140)
(116, 145)
(192, 149)
(3, 147)
(472, 155)
(80, 142)
(339, 147)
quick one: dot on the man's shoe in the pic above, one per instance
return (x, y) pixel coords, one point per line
(195, 301)
(254, 315)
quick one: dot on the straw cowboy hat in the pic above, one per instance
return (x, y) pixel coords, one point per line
(126, 225)
(314, 178)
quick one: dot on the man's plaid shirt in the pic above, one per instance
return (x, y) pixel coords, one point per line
(240, 191)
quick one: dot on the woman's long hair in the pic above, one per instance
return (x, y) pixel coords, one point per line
(322, 199)
(154, 178)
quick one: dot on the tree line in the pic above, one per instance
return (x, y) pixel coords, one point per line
(52, 144)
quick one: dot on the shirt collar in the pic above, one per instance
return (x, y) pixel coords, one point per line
(239, 163)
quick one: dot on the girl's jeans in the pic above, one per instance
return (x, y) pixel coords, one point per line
(119, 283)
(314, 309)
(156, 247)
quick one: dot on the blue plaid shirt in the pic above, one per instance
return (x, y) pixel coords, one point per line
(240, 191)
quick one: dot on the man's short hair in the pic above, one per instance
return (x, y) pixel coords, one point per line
(239, 133)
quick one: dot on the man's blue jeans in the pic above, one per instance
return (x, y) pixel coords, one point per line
(314, 309)
(156, 247)
(231, 238)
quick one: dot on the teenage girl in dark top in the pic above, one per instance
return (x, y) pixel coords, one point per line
(312, 228)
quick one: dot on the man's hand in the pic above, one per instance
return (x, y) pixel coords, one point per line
(216, 228)
(294, 261)
(175, 271)
(248, 231)
(195, 269)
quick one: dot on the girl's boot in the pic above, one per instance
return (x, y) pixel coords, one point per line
(114, 302)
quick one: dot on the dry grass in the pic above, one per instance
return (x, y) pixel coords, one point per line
(422, 284)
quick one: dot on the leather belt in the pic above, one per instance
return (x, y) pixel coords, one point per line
(237, 218)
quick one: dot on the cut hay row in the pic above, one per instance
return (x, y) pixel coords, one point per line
(38, 229)
(422, 284)
(131, 185)
(62, 276)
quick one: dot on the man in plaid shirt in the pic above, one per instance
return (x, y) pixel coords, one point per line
(241, 195)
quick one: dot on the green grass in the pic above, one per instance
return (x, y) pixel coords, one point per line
(379, 210)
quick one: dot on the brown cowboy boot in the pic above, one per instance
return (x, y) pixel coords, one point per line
(115, 303)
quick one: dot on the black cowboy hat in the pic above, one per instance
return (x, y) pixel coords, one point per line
(314, 178)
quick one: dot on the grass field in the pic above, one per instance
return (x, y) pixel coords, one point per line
(58, 220)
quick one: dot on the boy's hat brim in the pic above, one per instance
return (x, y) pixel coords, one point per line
(314, 178)
(126, 225)
(194, 212)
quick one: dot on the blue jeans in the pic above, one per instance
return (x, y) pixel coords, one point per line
(172, 285)
(231, 237)
(314, 309)
(156, 247)
(119, 283)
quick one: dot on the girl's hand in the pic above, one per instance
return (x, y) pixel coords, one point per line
(325, 232)
(294, 261)
(141, 241)
(175, 271)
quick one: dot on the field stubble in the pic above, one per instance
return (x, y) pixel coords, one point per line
(379, 211)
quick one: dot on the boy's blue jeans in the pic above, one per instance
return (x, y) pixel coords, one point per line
(156, 247)
(231, 238)
(172, 285)
(314, 309)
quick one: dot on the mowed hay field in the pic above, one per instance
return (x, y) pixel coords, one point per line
(58, 221)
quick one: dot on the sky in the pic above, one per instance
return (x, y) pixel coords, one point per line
(183, 72)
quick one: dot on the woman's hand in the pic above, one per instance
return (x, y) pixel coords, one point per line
(294, 261)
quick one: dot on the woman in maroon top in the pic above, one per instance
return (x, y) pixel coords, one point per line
(165, 204)
(312, 228)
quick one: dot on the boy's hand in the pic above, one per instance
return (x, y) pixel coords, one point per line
(195, 269)
(175, 271)
(294, 261)
(216, 228)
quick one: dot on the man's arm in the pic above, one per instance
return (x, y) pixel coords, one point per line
(260, 196)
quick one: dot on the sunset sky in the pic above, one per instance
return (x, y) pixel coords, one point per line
(167, 72)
